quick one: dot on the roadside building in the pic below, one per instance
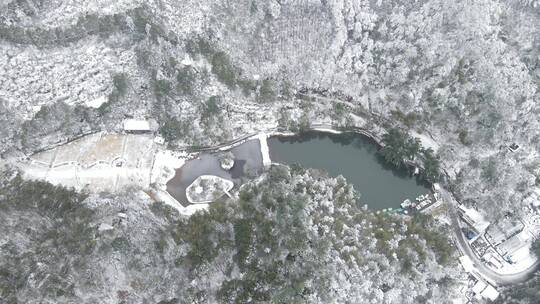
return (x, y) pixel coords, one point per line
(503, 230)
(136, 126)
(490, 293)
(493, 259)
(510, 247)
(513, 147)
(474, 219)
(478, 288)
(479, 245)
(467, 264)
(483, 290)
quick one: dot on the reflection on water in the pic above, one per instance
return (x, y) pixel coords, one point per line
(247, 162)
(355, 157)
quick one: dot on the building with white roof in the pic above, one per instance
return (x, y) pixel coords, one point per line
(482, 290)
(503, 230)
(474, 218)
(136, 126)
(490, 293)
(479, 287)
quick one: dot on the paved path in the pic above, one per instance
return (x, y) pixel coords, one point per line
(216, 147)
(312, 127)
(463, 245)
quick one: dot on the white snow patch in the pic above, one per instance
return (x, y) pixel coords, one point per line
(105, 227)
(165, 164)
(187, 61)
(197, 194)
(96, 103)
(136, 125)
(265, 151)
(426, 141)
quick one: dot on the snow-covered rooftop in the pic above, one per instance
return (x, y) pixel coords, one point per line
(474, 218)
(136, 125)
(96, 103)
(490, 293)
(467, 263)
(484, 290)
(478, 287)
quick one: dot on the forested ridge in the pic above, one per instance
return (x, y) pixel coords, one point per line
(291, 236)
(462, 74)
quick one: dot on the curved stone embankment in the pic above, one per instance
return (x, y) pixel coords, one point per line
(376, 135)
(161, 174)
(207, 188)
(163, 169)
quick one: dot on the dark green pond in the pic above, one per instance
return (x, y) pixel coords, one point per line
(355, 157)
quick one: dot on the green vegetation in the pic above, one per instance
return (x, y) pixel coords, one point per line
(61, 228)
(267, 91)
(120, 244)
(162, 210)
(143, 57)
(211, 107)
(199, 46)
(277, 237)
(171, 129)
(436, 239)
(60, 118)
(161, 88)
(535, 248)
(198, 232)
(489, 170)
(120, 83)
(228, 74)
(266, 245)
(243, 239)
(431, 172)
(300, 126)
(142, 21)
(464, 137)
(408, 119)
(247, 85)
(338, 110)
(474, 163)
(120, 86)
(418, 228)
(398, 146)
(185, 80)
(525, 293)
(223, 69)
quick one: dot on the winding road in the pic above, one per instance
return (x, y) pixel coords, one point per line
(312, 127)
(460, 241)
(463, 245)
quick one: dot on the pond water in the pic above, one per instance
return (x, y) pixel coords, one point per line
(247, 162)
(355, 157)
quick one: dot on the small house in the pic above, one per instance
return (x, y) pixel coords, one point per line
(513, 147)
(474, 219)
(135, 126)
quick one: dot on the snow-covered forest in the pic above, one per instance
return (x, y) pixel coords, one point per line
(463, 73)
(292, 236)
